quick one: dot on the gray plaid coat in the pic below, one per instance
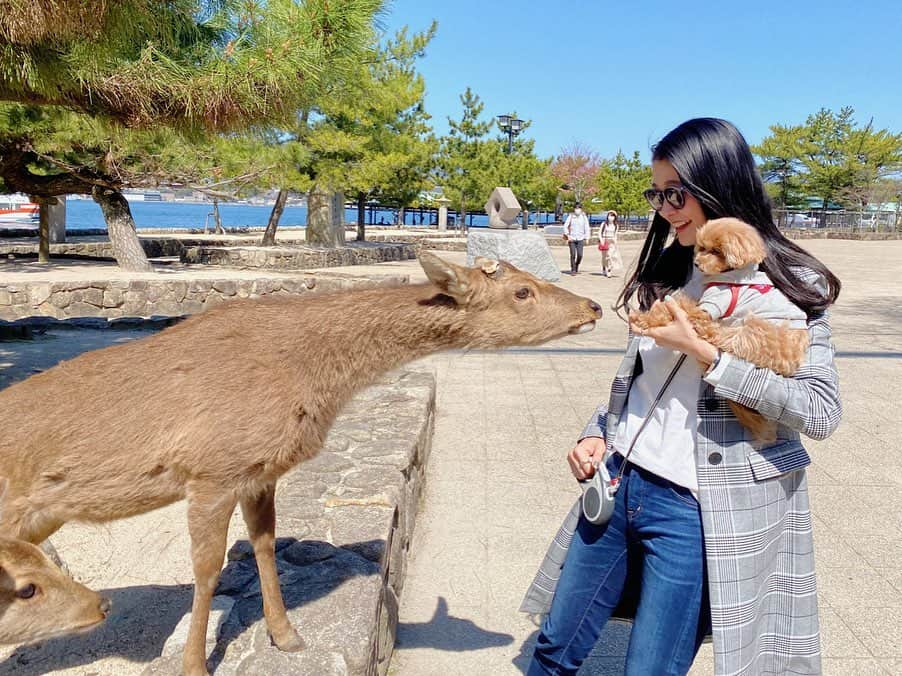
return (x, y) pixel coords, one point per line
(754, 505)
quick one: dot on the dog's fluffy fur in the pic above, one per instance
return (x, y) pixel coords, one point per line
(722, 245)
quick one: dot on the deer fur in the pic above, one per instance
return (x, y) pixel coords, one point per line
(37, 600)
(725, 244)
(218, 407)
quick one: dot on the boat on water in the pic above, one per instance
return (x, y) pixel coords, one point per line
(18, 209)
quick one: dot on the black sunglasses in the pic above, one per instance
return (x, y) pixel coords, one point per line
(674, 195)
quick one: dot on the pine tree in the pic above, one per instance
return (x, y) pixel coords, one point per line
(195, 67)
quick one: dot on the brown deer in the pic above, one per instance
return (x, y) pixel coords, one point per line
(37, 600)
(218, 407)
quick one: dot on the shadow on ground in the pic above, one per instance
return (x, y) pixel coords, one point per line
(446, 632)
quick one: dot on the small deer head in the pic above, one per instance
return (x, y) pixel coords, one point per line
(37, 600)
(727, 244)
(501, 305)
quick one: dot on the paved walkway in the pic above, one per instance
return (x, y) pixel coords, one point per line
(498, 483)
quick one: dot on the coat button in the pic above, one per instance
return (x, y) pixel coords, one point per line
(711, 404)
(715, 458)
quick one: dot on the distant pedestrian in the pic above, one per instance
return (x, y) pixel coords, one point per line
(607, 244)
(576, 232)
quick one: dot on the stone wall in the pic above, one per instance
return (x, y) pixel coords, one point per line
(154, 298)
(348, 517)
(298, 257)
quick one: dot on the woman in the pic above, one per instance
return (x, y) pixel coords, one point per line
(717, 530)
(607, 243)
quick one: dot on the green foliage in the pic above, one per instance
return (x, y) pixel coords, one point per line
(830, 157)
(782, 166)
(620, 183)
(217, 64)
(468, 163)
(81, 151)
(472, 164)
(367, 135)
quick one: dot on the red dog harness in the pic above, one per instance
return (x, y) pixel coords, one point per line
(734, 293)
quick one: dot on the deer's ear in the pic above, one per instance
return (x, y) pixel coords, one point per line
(450, 278)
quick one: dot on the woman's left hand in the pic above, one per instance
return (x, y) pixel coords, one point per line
(679, 334)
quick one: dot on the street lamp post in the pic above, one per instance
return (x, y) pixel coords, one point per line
(512, 127)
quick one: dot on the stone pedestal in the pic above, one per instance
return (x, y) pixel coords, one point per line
(57, 214)
(443, 203)
(523, 248)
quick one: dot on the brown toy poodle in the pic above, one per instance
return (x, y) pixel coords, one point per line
(739, 312)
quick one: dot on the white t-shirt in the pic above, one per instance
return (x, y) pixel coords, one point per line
(666, 446)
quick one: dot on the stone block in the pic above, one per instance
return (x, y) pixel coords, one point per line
(227, 287)
(113, 297)
(61, 299)
(503, 209)
(524, 249)
(93, 296)
(39, 293)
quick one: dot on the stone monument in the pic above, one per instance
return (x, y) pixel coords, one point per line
(443, 203)
(504, 240)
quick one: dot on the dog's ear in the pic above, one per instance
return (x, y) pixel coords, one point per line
(740, 242)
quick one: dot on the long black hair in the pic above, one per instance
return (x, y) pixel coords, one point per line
(716, 166)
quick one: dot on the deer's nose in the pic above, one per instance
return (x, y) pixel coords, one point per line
(105, 606)
(596, 308)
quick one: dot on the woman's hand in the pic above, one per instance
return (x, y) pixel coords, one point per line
(584, 455)
(679, 334)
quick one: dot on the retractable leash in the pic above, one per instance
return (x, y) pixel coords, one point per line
(600, 489)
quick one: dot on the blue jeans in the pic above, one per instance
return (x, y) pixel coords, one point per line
(662, 522)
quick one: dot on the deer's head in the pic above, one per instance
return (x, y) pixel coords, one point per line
(502, 306)
(37, 600)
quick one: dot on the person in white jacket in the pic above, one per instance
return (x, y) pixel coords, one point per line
(576, 231)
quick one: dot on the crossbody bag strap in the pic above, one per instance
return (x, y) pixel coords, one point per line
(651, 409)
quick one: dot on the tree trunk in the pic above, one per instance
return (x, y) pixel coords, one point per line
(216, 218)
(463, 213)
(325, 217)
(269, 236)
(43, 228)
(401, 217)
(121, 227)
(361, 216)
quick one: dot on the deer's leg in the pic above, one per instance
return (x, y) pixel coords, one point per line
(209, 511)
(260, 516)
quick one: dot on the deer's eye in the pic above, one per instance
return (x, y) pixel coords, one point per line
(26, 592)
(523, 293)
(717, 252)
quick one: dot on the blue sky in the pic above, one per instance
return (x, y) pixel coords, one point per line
(619, 75)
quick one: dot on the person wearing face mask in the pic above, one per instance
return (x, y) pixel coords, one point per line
(576, 231)
(607, 244)
(710, 531)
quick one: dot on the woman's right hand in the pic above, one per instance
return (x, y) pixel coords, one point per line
(584, 455)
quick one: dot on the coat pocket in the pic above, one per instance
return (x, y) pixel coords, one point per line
(775, 461)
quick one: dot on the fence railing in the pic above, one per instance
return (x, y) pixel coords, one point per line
(854, 221)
